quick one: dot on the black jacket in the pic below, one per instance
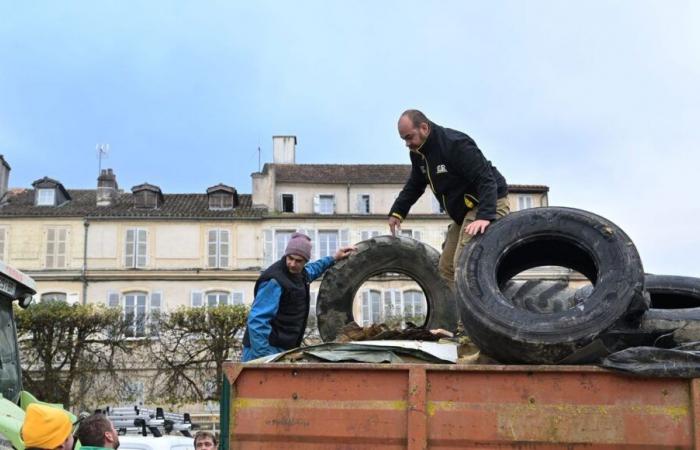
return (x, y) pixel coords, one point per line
(289, 324)
(458, 174)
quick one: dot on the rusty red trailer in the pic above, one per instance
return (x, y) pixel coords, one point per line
(420, 406)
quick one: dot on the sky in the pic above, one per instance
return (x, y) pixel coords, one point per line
(599, 100)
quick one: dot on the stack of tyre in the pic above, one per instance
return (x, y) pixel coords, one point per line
(535, 321)
(611, 314)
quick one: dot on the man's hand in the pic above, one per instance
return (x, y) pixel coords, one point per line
(394, 224)
(344, 252)
(476, 227)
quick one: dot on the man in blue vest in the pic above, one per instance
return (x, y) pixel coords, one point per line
(277, 319)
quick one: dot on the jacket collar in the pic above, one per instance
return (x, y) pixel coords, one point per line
(425, 148)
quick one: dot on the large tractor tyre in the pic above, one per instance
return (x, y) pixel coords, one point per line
(383, 254)
(675, 310)
(576, 239)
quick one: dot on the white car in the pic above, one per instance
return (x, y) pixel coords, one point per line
(136, 442)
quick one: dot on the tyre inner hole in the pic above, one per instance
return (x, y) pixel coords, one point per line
(546, 274)
(393, 299)
(673, 300)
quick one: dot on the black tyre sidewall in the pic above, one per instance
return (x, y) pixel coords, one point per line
(382, 254)
(492, 320)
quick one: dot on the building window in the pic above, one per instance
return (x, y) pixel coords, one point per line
(275, 242)
(141, 312)
(415, 234)
(524, 202)
(56, 248)
(216, 298)
(54, 297)
(281, 240)
(220, 200)
(363, 204)
(288, 203)
(324, 204)
(218, 248)
(136, 248)
(371, 307)
(393, 307)
(46, 197)
(414, 306)
(146, 199)
(236, 298)
(327, 243)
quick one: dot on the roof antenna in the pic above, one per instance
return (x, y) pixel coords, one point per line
(259, 168)
(102, 152)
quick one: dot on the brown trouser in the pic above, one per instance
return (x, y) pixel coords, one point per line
(456, 239)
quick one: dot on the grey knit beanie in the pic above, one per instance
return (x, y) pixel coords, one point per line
(300, 245)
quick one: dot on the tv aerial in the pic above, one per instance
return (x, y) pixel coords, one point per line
(102, 152)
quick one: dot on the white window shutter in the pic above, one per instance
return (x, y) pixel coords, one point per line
(360, 204)
(388, 305)
(268, 252)
(61, 244)
(156, 300)
(197, 298)
(417, 235)
(397, 302)
(366, 312)
(72, 298)
(237, 298)
(211, 248)
(280, 204)
(224, 248)
(344, 237)
(142, 248)
(113, 299)
(129, 248)
(317, 204)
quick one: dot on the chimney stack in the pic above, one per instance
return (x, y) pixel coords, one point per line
(107, 188)
(4, 177)
(284, 149)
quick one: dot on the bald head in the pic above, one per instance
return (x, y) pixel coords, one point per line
(415, 116)
(414, 129)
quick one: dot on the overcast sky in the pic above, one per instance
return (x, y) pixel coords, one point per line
(599, 100)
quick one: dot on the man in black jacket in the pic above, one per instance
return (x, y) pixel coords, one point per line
(464, 182)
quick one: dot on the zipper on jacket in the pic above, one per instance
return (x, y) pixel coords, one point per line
(427, 170)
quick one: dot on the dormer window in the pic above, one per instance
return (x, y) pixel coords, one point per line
(147, 199)
(147, 196)
(221, 200)
(49, 192)
(222, 197)
(46, 197)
